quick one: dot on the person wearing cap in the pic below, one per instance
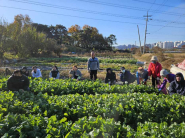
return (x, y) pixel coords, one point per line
(18, 82)
(110, 77)
(142, 76)
(154, 71)
(54, 73)
(76, 73)
(168, 77)
(178, 85)
(36, 73)
(25, 71)
(126, 77)
(93, 66)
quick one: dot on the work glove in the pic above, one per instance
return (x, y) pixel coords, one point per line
(159, 90)
(158, 78)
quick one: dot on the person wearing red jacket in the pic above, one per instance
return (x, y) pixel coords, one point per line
(154, 71)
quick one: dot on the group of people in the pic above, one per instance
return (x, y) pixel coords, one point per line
(19, 81)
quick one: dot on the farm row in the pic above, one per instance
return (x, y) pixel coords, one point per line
(108, 115)
(64, 87)
(77, 60)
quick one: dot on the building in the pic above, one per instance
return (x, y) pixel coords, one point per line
(176, 43)
(159, 44)
(168, 45)
(179, 45)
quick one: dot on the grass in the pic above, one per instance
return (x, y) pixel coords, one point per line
(170, 58)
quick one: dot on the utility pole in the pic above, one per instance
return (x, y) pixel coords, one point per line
(147, 18)
(139, 38)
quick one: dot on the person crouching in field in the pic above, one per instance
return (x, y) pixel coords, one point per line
(126, 77)
(25, 71)
(142, 76)
(36, 73)
(93, 66)
(110, 77)
(54, 73)
(154, 71)
(168, 77)
(18, 82)
(178, 85)
(76, 73)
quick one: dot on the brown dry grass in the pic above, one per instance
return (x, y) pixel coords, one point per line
(170, 58)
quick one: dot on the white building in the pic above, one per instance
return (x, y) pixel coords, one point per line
(168, 45)
(176, 43)
(181, 44)
(159, 44)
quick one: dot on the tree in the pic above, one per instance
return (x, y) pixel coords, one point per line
(14, 30)
(60, 32)
(31, 42)
(111, 40)
(74, 31)
(3, 38)
(42, 28)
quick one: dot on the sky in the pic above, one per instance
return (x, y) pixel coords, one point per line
(118, 17)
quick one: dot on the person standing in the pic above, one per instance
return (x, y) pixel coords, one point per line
(154, 71)
(142, 76)
(168, 77)
(93, 66)
(110, 77)
(18, 82)
(25, 71)
(76, 73)
(54, 73)
(178, 85)
(36, 73)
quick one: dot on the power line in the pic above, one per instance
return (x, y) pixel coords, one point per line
(128, 7)
(158, 4)
(89, 11)
(82, 16)
(164, 1)
(168, 24)
(151, 5)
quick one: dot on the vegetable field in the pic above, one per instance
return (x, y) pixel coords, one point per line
(70, 109)
(79, 59)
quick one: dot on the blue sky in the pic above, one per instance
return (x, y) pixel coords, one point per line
(126, 33)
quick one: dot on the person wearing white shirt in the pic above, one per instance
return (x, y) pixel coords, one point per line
(36, 73)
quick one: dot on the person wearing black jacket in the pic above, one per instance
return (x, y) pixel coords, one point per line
(110, 77)
(54, 73)
(18, 82)
(25, 71)
(178, 85)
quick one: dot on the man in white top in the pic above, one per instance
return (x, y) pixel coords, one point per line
(36, 73)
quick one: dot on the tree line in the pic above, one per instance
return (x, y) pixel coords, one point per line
(27, 39)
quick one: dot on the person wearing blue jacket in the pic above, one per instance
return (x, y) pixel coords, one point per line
(36, 73)
(93, 66)
(142, 76)
(178, 85)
